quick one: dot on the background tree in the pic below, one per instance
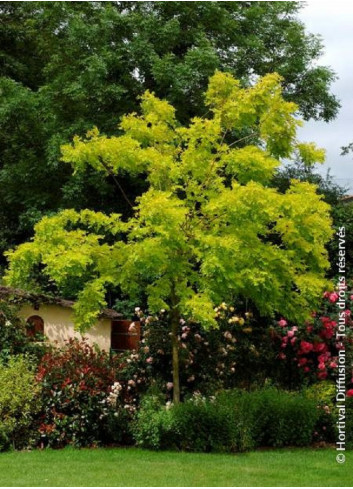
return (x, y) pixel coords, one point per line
(208, 229)
(67, 66)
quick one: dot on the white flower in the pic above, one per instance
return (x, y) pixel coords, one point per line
(132, 328)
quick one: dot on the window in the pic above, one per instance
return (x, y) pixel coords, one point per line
(35, 326)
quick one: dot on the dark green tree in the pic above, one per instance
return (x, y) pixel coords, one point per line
(67, 66)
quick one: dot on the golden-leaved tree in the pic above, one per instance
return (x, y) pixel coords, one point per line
(209, 227)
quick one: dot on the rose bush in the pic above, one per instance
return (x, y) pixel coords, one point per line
(210, 360)
(309, 352)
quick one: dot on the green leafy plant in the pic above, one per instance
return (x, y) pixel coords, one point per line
(20, 402)
(233, 420)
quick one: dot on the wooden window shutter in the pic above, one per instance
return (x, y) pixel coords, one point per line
(35, 325)
(125, 335)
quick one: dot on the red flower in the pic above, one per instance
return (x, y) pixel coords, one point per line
(322, 375)
(350, 393)
(302, 361)
(319, 347)
(306, 347)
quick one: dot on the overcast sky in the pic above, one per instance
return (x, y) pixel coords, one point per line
(334, 22)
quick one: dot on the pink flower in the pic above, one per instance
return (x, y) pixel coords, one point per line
(290, 334)
(306, 369)
(351, 297)
(321, 366)
(293, 340)
(309, 329)
(282, 322)
(348, 312)
(350, 393)
(295, 328)
(282, 356)
(333, 365)
(170, 386)
(333, 297)
(149, 360)
(184, 336)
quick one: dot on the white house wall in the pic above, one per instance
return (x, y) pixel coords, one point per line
(59, 326)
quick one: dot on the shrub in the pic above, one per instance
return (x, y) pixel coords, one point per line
(282, 418)
(309, 352)
(197, 425)
(324, 394)
(153, 424)
(232, 421)
(19, 402)
(84, 403)
(231, 355)
(349, 423)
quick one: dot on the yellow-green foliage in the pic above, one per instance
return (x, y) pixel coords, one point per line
(19, 398)
(209, 227)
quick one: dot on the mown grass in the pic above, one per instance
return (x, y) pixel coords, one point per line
(134, 467)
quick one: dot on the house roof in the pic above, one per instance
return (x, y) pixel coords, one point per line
(22, 296)
(347, 198)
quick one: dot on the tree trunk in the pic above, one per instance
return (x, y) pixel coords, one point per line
(175, 321)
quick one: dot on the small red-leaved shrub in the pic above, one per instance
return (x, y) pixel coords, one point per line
(81, 393)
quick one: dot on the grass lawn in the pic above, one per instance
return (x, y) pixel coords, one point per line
(134, 467)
